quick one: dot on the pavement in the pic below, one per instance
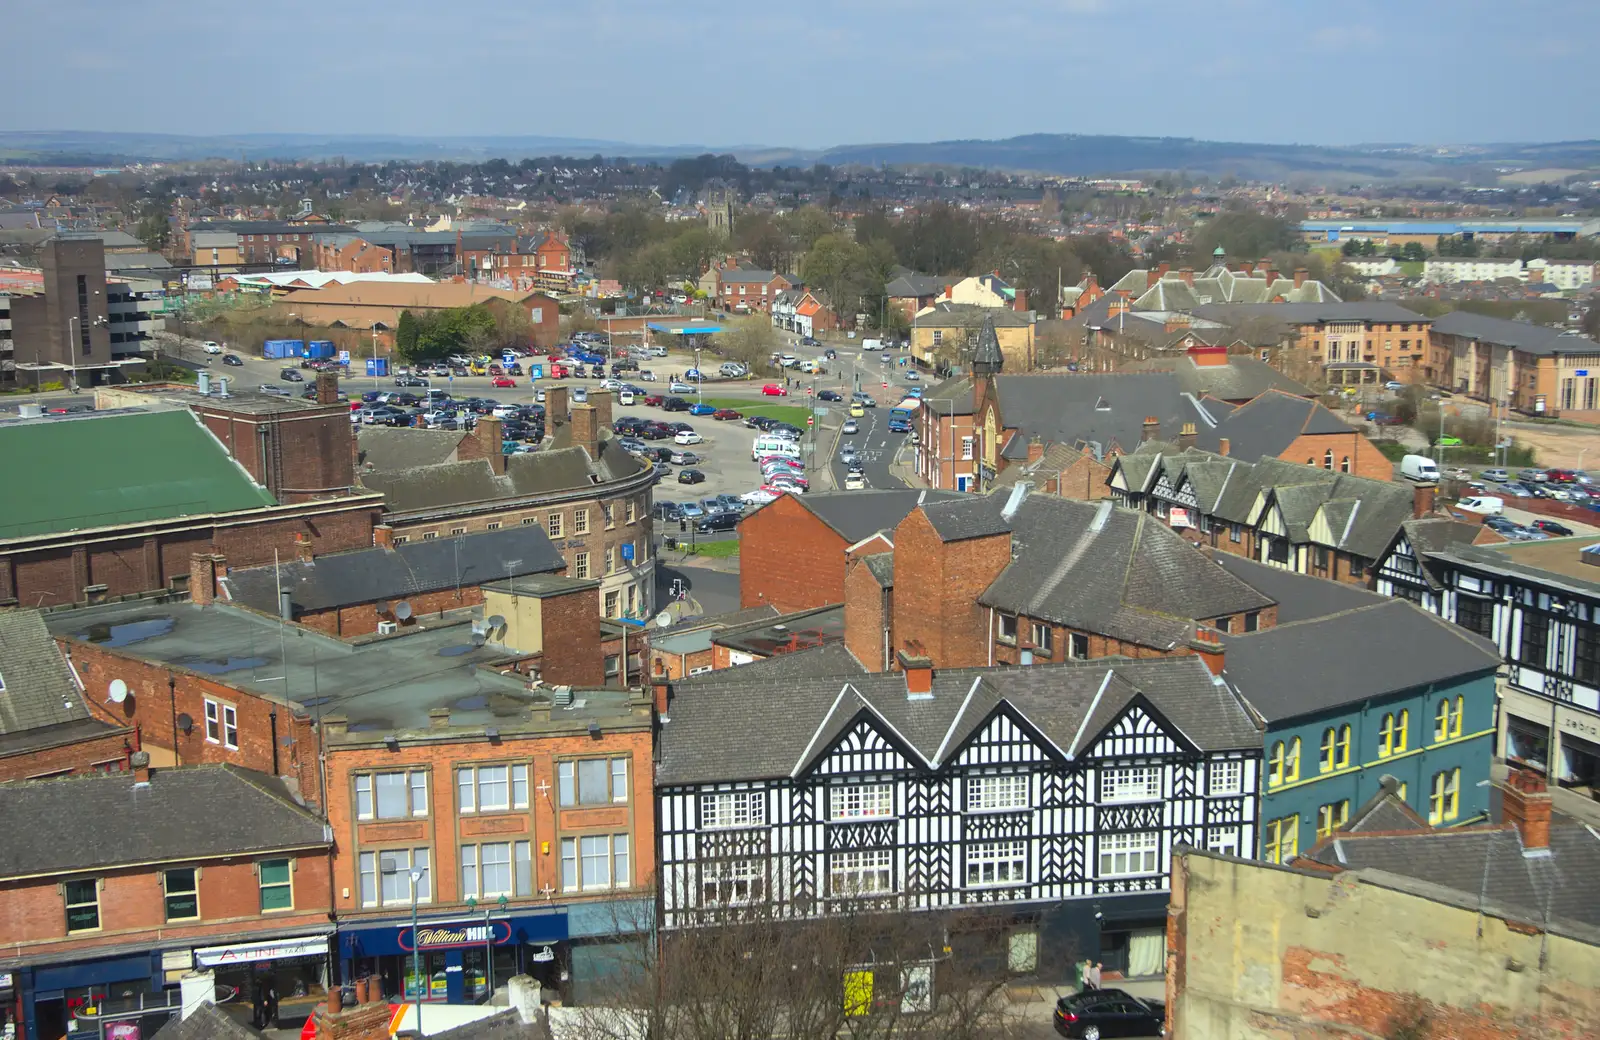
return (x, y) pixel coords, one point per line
(1035, 1005)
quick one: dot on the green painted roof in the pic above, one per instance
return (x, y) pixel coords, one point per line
(73, 473)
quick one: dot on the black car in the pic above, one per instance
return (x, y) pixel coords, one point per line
(761, 422)
(410, 381)
(662, 455)
(1551, 527)
(654, 431)
(627, 425)
(691, 476)
(666, 511)
(715, 521)
(1097, 1013)
(830, 395)
(675, 404)
(783, 427)
(233, 360)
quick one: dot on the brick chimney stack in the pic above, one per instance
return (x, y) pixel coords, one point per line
(586, 429)
(1186, 435)
(919, 675)
(555, 407)
(139, 764)
(601, 401)
(1207, 645)
(1152, 427)
(327, 388)
(302, 547)
(1300, 275)
(383, 536)
(203, 578)
(367, 1019)
(1187, 274)
(1422, 498)
(1526, 803)
(489, 440)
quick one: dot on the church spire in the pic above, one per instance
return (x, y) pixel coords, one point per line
(987, 360)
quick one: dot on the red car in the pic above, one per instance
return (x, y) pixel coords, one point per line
(559, 372)
(774, 390)
(555, 357)
(726, 413)
(654, 400)
(502, 382)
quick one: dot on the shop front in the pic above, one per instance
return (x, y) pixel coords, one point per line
(64, 999)
(297, 966)
(463, 959)
(1525, 721)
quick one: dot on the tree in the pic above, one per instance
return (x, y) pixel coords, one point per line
(1058, 342)
(767, 243)
(749, 341)
(405, 335)
(1243, 235)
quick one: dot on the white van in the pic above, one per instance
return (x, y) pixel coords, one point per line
(624, 397)
(769, 445)
(1485, 505)
(1418, 467)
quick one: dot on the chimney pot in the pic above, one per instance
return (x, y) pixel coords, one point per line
(1422, 499)
(1152, 427)
(1526, 804)
(1300, 275)
(1222, 446)
(383, 536)
(302, 547)
(1207, 645)
(919, 675)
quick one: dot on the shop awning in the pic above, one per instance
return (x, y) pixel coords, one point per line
(249, 953)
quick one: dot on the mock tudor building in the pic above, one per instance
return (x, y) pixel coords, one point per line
(1045, 800)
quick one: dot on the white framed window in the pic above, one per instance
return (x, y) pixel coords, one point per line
(592, 781)
(966, 447)
(1223, 839)
(385, 876)
(1127, 855)
(391, 795)
(992, 864)
(860, 801)
(868, 872)
(998, 793)
(82, 899)
(732, 882)
(494, 788)
(1227, 777)
(1130, 784)
(222, 724)
(733, 809)
(595, 861)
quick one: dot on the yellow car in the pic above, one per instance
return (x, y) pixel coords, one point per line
(856, 411)
(478, 369)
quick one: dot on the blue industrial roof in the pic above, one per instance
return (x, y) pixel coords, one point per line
(682, 328)
(1448, 227)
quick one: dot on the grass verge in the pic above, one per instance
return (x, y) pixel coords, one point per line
(720, 549)
(795, 414)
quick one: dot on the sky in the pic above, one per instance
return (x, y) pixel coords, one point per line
(811, 74)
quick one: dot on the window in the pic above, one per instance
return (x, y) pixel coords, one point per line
(493, 525)
(83, 905)
(1535, 637)
(610, 517)
(1078, 646)
(1283, 839)
(529, 521)
(1284, 763)
(860, 801)
(611, 603)
(580, 565)
(1331, 817)
(994, 863)
(1477, 615)
(592, 781)
(732, 882)
(997, 793)
(1125, 855)
(492, 788)
(732, 809)
(580, 521)
(1392, 735)
(1335, 748)
(1447, 719)
(1042, 641)
(1235, 532)
(554, 525)
(1223, 624)
(966, 447)
(1252, 621)
(1444, 801)
(938, 336)
(1327, 460)
(1223, 839)
(631, 511)
(1227, 777)
(611, 560)
(182, 893)
(391, 796)
(277, 886)
(1344, 464)
(1130, 784)
(429, 536)
(1008, 628)
(385, 876)
(222, 724)
(458, 530)
(866, 873)
(595, 861)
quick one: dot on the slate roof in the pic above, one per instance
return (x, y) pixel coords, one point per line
(1521, 335)
(128, 466)
(1300, 597)
(534, 473)
(1106, 410)
(945, 315)
(244, 812)
(912, 285)
(1401, 647)
(857, 514)
(1385, 811)
(1240, 380)
(208, 1022)
(1312, 313)
(370, 575)
(736, 276)
(787, 722)
(1432, 535)
(1266, 425)
(503, 1025)
(36, 689)
(385, 448)
(881, 566)
(1097, 567)
(829, 659)
(1486, 865)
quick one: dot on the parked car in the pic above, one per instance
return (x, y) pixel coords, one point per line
(666, 510)
(684, 458)
(691, 476)
(688, 437)
(702, 409)
(725, 414)
(1095, 1013)
(715, 522)
(758, 497)
(276, 391)
(1551, 527)
(233, 360)
(774, 390)
(1533, 476)
(1496, 474)
(291, 375)
(409, 381)
(675, 404)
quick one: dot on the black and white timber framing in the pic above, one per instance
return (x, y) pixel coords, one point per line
(1043, 784)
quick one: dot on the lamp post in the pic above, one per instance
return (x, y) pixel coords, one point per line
(416, 949)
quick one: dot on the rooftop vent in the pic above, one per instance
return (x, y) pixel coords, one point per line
(1102, 513)
(561, 696)
(1014, 502)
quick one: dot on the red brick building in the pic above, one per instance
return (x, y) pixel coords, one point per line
(46, 728)
(160, 888)
(743, 290)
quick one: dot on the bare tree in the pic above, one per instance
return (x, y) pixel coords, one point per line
(749, 341)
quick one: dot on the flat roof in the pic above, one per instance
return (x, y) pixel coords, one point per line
(1561, 556)
(786, 634)
(380, 684)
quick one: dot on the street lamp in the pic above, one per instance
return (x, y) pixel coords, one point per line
(416, 949)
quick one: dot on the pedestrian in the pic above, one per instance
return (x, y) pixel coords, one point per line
(258, 1004)
(1081, 969)
(270, 991)
(1094, 975)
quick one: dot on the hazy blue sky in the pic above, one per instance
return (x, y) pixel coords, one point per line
(813, 73)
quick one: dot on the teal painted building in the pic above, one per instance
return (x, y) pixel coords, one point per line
(1385, 689)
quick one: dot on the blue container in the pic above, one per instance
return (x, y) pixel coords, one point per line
(281, 348)
(320, 348)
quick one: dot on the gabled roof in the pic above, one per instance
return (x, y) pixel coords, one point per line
(1300, 597)
(1357, 655)
(207, 1022)
(388, 448)
(856, 514)
(1520, 335)
(1099, 412)
(196, 812)
(967, 316)
(534, 473)
(36, 689)
(1267, 425)
(371, 575)
(128, 466)
(1313, 313)
(1240, 380)
(740, 274)
(912, 285)
(787, 722)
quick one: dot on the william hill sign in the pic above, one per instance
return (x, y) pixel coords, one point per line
(448, 936)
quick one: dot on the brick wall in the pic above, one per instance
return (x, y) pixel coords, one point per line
(789, 558)
(572, 654)
(936, 610)
(665, 665)
(132, 908)
(149, 706)
(1365, 459)
(79, 756)
(360, 619)
(443, 830)
(313, 454)
(865, 616)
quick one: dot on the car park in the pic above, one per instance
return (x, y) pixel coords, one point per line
(691, 476)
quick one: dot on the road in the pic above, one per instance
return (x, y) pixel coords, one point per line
(876, 447)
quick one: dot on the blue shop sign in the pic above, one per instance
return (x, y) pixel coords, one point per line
(453, 934)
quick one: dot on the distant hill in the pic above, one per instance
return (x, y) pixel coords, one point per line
(1073, 155)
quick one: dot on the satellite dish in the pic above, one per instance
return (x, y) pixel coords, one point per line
(478, 638)
(496, 621)
(383, 606)
(118, 691)
(664, 619)
(402, 610)
(185, 723)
